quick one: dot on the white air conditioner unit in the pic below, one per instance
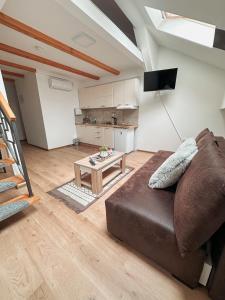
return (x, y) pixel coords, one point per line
(60, 84)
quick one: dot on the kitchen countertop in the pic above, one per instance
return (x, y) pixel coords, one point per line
(125, 126)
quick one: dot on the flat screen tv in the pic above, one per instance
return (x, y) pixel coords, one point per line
(160, 80)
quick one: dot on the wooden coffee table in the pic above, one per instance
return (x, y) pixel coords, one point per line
(96, 177)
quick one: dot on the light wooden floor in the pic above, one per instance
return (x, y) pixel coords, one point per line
(50, 252)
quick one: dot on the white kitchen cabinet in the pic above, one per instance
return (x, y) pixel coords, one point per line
(118, 93)
(85, 98)
(131, 89)
(93, 135)
(96, 97)
(85, 134)
(103, 96)
(125, 93)
(109, 137)
(122, 93)
(96, 135)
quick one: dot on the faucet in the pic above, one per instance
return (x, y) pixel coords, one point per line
(114, 119)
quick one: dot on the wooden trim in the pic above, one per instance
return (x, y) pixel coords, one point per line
(31, 32)
(145, 151)
(8, 79)
(24, 197)
(16, 66)
(5, 72)
(172, 16)
(4, 105)
(46, 61)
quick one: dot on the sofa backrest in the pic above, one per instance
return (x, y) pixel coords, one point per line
(216, 284)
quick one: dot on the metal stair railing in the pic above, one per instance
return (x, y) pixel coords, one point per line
(9, 134)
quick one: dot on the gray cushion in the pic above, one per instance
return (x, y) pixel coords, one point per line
(172, 169)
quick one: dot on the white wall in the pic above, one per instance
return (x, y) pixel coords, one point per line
(196, 101)
(29, 101)
(2, 86)
(194, 105)
(14, 104)
(155, 131)
(58, 112)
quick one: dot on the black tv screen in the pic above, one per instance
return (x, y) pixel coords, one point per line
(160, 80)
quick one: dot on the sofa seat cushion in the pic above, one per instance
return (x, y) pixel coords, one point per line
(143, 218)
(154, 206)
(199, 208)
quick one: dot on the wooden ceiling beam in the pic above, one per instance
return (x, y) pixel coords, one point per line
(8, 79)
(46, 61)
(38, 35)
(5, 72)
(16, 66)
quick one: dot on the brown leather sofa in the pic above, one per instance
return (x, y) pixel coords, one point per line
(143, 218)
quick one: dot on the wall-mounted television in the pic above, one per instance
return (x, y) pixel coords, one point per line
(160, 80)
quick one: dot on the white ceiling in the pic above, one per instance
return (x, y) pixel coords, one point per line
(51, 18)
(209, 11)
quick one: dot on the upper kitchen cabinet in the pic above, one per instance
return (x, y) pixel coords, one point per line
(96, 97)
(118, 94)
(126, 93)
(103, 96)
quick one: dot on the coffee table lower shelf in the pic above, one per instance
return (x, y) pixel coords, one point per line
(107, 176)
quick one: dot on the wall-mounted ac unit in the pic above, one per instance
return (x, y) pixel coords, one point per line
(60, 84)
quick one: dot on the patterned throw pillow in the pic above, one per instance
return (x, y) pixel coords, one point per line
(173, 168)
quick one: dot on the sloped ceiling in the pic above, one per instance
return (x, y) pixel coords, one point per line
(212, 12)
(208, 11)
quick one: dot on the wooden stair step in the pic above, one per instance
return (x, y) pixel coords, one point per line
(6, 162)
(17, 179)
(2, 146)
(11, 182)
(16, 205)
(26, 197)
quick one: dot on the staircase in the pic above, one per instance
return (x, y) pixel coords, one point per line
(11, 155)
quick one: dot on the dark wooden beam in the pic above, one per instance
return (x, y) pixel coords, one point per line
(8, 79)
(16, 66)
(5, 72)
(46, 61)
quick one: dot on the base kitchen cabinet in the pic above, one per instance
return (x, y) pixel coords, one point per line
(109, 137)
(96, 135)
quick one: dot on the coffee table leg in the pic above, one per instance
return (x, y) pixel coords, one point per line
(123, 164)
(77, 175)
(96, 181)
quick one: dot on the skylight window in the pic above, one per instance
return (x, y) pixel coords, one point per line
(185, 28)
(167, 15)
(170, 16)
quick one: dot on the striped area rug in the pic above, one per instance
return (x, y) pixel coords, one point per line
(80, 198)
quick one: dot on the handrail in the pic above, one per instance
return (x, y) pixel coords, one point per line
(4, 105)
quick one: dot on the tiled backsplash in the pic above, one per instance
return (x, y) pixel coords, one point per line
(128, 116)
